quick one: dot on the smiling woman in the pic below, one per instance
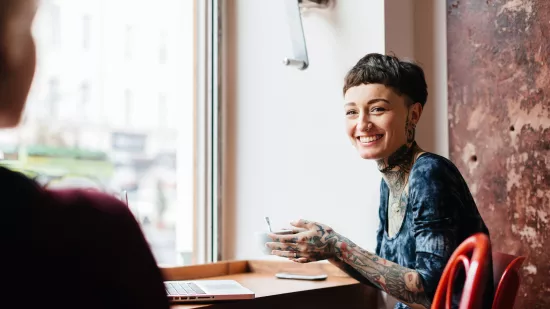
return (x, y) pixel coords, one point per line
(426, 209)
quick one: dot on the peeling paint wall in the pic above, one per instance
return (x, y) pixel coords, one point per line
(499, 126)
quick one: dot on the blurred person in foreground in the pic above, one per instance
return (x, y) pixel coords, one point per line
(62, 249)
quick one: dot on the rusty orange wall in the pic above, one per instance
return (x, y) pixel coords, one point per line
(499, 125)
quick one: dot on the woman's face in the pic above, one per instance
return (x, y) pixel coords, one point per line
(377, 120)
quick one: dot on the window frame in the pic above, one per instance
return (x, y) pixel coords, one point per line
(208, 137)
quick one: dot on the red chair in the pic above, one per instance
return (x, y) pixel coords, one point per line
(473, 255)
(507, 279)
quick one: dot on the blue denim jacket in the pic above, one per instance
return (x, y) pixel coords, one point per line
(440, 214)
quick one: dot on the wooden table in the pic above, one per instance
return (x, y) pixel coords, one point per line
(338, 291)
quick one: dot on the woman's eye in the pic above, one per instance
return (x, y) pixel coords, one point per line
(377, 110)
(350, 112)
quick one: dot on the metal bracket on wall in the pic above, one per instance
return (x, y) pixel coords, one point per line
(299, 48)
(315, 4)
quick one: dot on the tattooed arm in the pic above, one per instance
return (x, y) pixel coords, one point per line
(321, 242)
(402, 283)
(350, 271)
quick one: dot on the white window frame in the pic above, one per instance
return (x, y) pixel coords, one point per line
(206, 246)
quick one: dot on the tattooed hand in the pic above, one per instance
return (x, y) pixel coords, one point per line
(312, 242)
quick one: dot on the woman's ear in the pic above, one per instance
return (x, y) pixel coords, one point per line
(415, 111)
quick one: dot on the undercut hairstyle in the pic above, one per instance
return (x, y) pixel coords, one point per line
(404, 77)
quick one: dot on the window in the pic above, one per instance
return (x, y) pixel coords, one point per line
(53, 97)
(128, 41)
(86, 24)
(55, 23)
(163, 52)
(128, 108)
(148, 125)
(84, 106)
(162, 110)
(84, 94)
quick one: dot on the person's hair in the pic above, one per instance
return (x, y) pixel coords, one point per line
(9, 8)
(404, 77)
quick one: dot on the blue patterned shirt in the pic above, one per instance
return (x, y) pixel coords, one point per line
(440, 214)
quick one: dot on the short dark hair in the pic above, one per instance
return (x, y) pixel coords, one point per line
(406, 78)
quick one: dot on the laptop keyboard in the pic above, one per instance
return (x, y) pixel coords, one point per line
(183, 288)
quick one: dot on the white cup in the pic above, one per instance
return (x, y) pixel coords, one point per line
(262, 239)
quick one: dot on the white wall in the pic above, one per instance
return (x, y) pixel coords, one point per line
(286, 152)
(430, 50)
(417, 30)
(399, 28)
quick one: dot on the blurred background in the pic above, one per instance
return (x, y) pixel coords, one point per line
(105, 110)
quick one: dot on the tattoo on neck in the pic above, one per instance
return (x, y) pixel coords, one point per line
(396, 167)
(410, 130)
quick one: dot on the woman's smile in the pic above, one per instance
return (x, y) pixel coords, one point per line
(369, 140)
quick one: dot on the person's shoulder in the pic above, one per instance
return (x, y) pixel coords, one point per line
(22, 193)
(431, 164)
(430, 168)
(435, 179)
(432, 160)
(19, 192)
(15, 183)
(90, 201)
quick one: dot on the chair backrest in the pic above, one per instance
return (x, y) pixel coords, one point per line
(506, 278)
(473, 255)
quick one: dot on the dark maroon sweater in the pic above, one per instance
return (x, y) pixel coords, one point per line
(72, 249)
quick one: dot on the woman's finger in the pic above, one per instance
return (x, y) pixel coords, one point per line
(287, 254)
(301, 224)
(302, 260)
(282, 246)
(300, 257)
(295, 238)
(295, 230)
(280, 238)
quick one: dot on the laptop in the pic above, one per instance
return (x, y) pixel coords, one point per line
(206, 291)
